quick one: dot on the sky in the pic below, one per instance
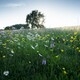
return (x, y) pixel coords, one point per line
(58, 13)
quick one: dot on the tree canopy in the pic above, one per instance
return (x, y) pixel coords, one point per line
(16, 26)
(35, 19)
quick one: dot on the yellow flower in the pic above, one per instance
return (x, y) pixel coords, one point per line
(71, 37)
(7, 40)
(37, 51)
(64, 40)
(64, 72)
(48, 35)
(77, 48)
(71, 41)
(57, 56)
(62, 50)
(4, 45)
(75, 33)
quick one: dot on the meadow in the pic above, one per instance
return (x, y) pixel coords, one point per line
(41, 54)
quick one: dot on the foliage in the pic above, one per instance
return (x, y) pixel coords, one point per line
(44, 54)
(35, 19)
(16, 26)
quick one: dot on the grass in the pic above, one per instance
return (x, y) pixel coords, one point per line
(43, 54)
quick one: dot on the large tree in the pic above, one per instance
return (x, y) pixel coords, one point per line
(35, 19)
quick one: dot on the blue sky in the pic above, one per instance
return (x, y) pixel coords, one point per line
(58, 13)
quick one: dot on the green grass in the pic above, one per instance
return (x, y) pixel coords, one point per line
(27, 55)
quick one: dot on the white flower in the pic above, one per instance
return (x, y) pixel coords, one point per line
(44, 62)
(40, 55)
(4, 56)
(12, 51)
(36, 45)
(37, 35)
(11, 54)
(52, 39)
(47, 41)
(6, 73)
(46, 46)
(32, 47)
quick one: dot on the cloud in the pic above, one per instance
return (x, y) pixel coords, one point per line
(14, 5)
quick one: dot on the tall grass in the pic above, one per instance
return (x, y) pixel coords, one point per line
(43, 54)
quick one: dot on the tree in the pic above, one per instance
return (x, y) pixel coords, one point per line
(35, 19)
(16, 26)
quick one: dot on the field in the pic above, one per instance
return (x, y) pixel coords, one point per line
(42, 54)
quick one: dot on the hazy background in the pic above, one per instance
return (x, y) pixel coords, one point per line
(58, 13)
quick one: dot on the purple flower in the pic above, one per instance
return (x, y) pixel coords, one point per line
(44, 62)
(51, 45)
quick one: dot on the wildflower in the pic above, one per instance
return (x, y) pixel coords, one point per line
(12, 51)
(4, 56)
(52, 39)
(29, 61)
(37, 51)
(75, 33)
(64, 40)
(62, 50)
(37, 35)
(11, 54)
(32, 47)
(4, 45)
(64, 72)
(44, 62)
(71, 37)
(6, 73)
(77, 48)
(71, 41)
(47, 41)
(51, 45)
(57, 56)
(63, 68)
(36, 45)
(40, 55)
(46, 46)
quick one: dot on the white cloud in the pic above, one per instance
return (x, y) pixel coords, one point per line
(14, 5)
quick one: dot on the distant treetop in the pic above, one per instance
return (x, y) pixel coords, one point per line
(35, 19)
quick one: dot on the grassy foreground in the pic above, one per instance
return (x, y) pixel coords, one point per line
(48, 54)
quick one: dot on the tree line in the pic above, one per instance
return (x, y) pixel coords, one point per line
(35, 19)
